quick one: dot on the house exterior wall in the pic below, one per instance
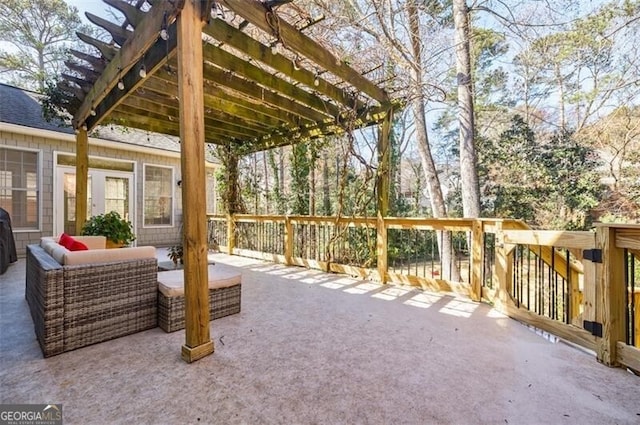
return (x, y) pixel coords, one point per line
(47, 144)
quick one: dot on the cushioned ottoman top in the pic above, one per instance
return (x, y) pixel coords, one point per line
(171, 283)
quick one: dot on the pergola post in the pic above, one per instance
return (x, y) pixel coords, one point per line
(198, 342)
(82, 178)
(382, 184)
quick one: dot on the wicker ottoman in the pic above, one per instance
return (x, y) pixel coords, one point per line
(224, 296)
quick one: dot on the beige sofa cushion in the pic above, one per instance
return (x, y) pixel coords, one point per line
(108, 255)
(92, 242)
(171, 283)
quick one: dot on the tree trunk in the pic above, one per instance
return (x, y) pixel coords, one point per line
(41, 70)
(468, 160)
(438, 206)
(562, 120)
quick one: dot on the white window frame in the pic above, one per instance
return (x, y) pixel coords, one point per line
(144, 196)
(39, 189)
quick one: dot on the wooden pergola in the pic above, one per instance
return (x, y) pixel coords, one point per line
(228, 72)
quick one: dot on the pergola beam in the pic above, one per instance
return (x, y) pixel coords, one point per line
(127, 119)
(253, 73)
(152, 60)
(119, 34)
(141, 107)
(145, 36)
(249, 88)
(166, 93)
(106, 50)
(97, 63)
(170, 108)
(134, 15)
(257, 13)
(227, 34)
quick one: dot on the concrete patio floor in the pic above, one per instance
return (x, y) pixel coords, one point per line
(316, 348)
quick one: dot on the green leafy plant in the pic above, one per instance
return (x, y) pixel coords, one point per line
(175, 254)
(112, 226)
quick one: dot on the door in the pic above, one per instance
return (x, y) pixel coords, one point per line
(107, 191)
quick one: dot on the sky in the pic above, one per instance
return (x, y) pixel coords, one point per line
(97, 7)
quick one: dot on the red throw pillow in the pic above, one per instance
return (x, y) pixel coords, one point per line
(65, 240)
(77, 246)
(71, 244)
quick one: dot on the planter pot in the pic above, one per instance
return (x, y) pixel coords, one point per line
(110, 244)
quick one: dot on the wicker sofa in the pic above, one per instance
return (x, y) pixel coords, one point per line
(85, 297)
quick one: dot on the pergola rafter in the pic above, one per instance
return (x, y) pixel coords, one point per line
(171, 68)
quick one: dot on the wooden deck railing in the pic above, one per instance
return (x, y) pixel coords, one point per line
(580, 286)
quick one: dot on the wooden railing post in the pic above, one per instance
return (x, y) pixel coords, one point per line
(503, 269)
(231, 233)
(288, 241)
(610, 292)
(476, 256)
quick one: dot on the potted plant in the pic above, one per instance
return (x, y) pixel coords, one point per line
(117, 230)
(175, 254)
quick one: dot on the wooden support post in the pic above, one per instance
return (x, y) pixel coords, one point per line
(382, 184)
(288, 241)
(477, 248)
(198, 342)
(610, 290)
(82, 178)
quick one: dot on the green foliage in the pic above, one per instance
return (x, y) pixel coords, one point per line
(552, 184)
(278, 196)
(230, 193)
(175, 254)
(38, 33)
(300, 166)
(53, 103)
(111, 225)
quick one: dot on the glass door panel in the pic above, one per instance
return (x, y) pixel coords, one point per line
(69, 202)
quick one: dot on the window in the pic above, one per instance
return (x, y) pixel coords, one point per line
(158, 196)
(19, 187)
